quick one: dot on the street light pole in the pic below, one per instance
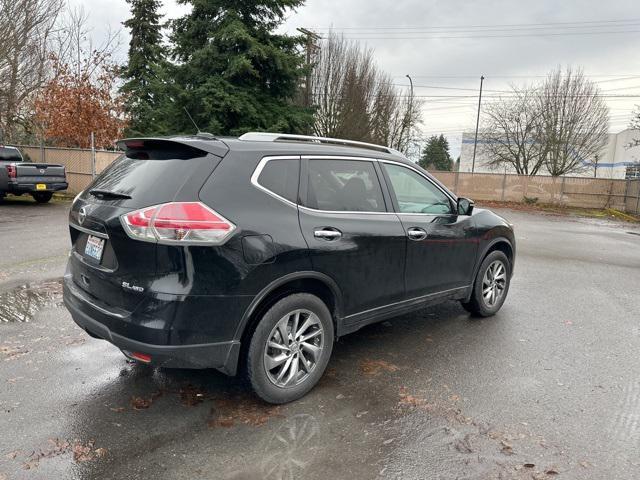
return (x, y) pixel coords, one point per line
(475, 142)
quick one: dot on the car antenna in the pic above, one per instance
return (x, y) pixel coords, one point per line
(199, 132)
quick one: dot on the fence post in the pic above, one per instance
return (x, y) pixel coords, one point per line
(562, 191)
(626, 192)
(93, 156)
(504, 184)
(43, 152)
(455, 182)
(638, 199)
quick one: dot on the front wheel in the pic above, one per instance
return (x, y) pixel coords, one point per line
(42, 197)
(290, 348)
(491, 285)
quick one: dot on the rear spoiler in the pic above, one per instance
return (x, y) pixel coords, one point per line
(205, 143)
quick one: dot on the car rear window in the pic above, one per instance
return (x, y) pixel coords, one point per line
(151, 176)
(10, 155)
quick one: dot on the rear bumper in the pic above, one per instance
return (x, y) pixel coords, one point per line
(31, 187)
(220, 355)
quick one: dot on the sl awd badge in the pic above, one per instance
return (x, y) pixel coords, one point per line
(132, 288)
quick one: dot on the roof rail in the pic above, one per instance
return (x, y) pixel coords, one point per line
(286, 137)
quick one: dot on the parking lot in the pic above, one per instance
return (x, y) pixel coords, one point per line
(548, 388)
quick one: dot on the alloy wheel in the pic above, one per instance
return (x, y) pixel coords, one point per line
(293, 348)
(494, 283)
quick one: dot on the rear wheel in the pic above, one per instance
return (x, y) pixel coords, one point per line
(491, 285)
(42, 197)
(290, 348)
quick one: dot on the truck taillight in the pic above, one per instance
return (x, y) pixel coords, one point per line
(178, 223)
(12, 171)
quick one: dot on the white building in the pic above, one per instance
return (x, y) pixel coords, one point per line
(618, 158)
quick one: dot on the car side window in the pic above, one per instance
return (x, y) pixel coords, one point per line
(343, 185)
(281, 178)
(416, 194)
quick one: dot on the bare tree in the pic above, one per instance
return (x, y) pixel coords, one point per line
(355, 100)
(511, 130)
(574, 121)
(26, 30)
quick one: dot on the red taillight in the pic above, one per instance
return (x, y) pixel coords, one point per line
(178, 222)
(12, 171)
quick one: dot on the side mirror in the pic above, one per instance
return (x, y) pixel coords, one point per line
(464, 206)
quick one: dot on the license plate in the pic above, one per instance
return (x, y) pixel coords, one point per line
(94, 247)
(41, 186)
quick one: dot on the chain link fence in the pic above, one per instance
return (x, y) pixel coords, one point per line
(81, 165)
(624, 195)
(584, 192)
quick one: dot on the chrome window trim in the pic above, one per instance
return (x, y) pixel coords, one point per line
(339, 212)
(256, 174)
(265, 160)
(447, 194)
(344, 157)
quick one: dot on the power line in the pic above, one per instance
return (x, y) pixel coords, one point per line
(493, 25)
(450, 37)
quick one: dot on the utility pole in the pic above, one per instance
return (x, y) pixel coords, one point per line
(475, 142)
(310, 48)
(410, 113)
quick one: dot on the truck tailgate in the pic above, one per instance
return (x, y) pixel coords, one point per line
(39, 172)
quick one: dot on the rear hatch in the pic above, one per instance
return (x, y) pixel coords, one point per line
(105, 262)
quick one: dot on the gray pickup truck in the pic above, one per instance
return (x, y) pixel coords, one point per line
(18, 177)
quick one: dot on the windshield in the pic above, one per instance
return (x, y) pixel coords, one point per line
(8, 154)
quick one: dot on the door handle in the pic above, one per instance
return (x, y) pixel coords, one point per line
(327, 233)
(415, 233)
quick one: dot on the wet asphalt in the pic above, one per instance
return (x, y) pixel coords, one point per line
(548, 388)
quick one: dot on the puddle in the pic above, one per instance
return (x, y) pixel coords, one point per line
(22, 303)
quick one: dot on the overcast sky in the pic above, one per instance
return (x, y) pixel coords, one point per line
(507, 41)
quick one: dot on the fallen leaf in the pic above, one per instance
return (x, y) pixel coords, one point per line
(117, 409)
(100, 452)
(374, 367)
(529, 465)
(506, 448)
(12, 455)
(551, 471)
(140, 403)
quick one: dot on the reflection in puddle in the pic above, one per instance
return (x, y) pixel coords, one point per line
(23, 302)
(290, 449)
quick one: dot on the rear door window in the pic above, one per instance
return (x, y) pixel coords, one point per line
(344, 185)
(281, 177)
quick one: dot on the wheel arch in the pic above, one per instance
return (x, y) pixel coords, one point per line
(315, 283)
(499, 242)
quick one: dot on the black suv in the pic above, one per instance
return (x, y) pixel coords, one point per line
(256, 253)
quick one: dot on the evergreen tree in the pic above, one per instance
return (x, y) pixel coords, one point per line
(435, 154)
(144, 87)
(232, 72)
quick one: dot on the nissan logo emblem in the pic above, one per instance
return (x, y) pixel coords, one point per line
(42, 170)
(82, 214)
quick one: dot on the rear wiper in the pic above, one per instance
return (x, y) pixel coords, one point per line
(103, 194)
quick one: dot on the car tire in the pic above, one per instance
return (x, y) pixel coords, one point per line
(42, 197)
(494, 275)
(288, 379)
